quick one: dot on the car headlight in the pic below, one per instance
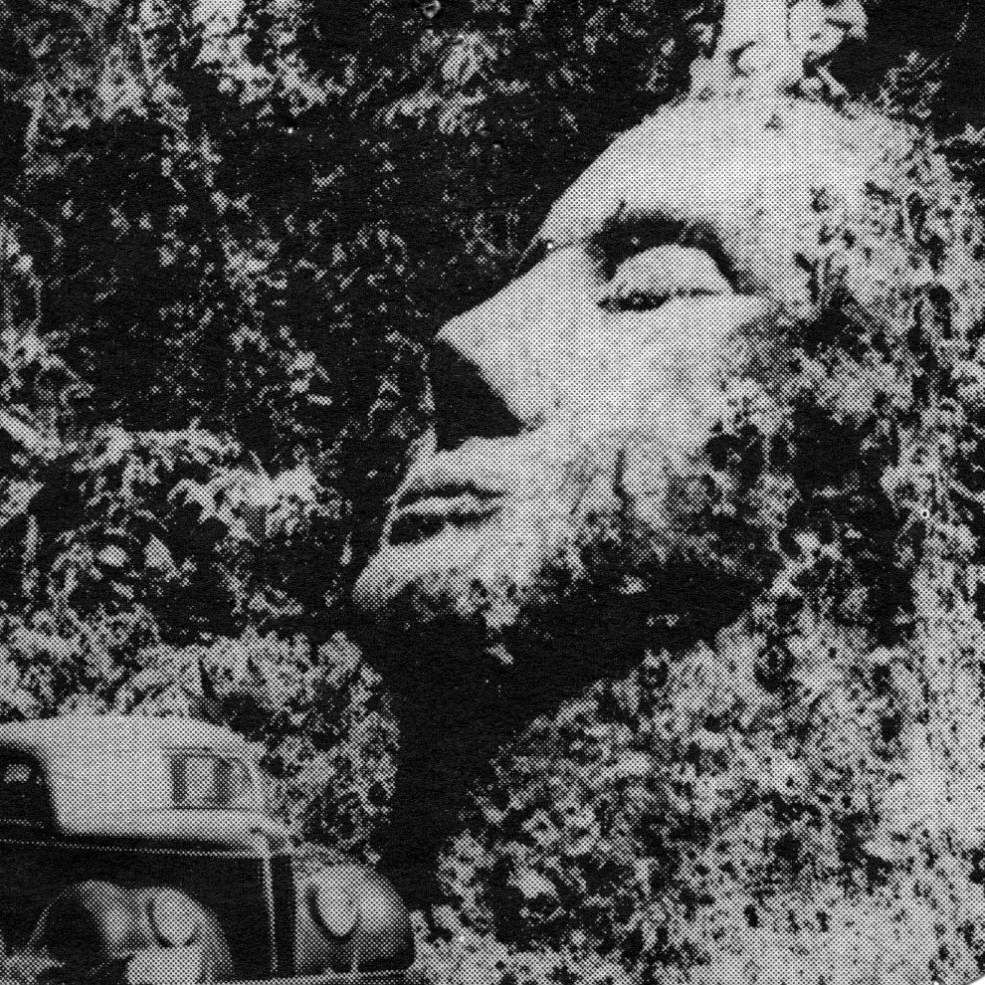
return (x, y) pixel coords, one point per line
(333, 902)
(173, 918)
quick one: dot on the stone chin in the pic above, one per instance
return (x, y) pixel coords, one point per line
(626, 532)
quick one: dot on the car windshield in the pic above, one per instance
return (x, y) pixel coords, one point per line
(209, 780)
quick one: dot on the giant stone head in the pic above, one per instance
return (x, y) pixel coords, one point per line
(621, 394)
(689, 414)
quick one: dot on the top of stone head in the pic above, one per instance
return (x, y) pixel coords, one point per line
(767, 72)
(778, 46)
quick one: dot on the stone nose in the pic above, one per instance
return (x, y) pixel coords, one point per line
(499, 368)
(468, 402)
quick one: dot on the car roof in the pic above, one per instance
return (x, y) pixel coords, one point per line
(92, 734)
(109, 775)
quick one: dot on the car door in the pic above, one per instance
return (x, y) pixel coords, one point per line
(28, 877)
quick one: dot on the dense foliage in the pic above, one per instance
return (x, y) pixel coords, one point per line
(227, 234)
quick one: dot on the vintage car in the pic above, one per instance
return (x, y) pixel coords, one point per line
(137, 850)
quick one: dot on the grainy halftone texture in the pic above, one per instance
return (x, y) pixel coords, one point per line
(237, 240)
(784, 799)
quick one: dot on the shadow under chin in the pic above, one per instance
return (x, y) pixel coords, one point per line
(459, 701)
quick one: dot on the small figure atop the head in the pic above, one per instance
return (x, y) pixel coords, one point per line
(778, 46)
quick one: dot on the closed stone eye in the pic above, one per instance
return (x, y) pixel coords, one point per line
(655, 276)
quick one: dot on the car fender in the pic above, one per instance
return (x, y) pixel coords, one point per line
(94, 923)
(378, 938)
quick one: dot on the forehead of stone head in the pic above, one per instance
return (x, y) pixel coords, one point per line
(754, 178)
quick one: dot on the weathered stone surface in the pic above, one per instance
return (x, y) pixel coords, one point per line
(724, 425)
(778, 46)
(716, 404)
(586, 394)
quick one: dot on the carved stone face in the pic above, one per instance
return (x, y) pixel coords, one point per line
(586, 398)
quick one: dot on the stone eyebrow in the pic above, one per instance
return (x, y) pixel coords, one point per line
(628, 238)
(625, 237)
(620, 238)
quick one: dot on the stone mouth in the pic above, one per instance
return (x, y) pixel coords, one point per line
(444, 492)
(422, 514)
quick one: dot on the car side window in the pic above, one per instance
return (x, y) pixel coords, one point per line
(23, 793)
(207, 780)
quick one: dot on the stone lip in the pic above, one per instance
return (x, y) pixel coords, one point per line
(432, 502)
